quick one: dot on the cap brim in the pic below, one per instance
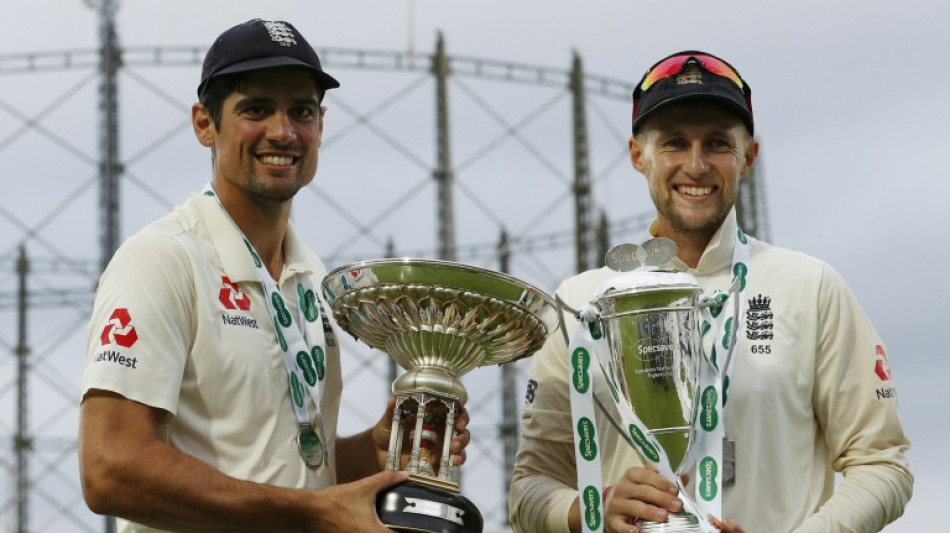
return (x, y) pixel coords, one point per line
(325, 80)
(734, 106)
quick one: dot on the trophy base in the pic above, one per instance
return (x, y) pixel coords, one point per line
(678, 523)
(414, 507)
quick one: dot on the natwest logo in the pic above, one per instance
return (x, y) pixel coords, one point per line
(231, 296)
(882, 368)
(119, 329)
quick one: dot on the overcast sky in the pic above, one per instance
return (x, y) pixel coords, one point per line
(849, 98)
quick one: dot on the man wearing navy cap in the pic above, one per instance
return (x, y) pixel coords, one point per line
(809, 394)
(212, 383)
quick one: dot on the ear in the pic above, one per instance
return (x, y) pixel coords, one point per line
(323, 117)
(636, 154)
(751, 153)
(203, 125)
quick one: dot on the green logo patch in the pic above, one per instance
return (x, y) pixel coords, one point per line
(580, 360)
(741, 236)
(257, 260)
(280, 336)
(727, 333)
(320, 362)
(586, 439)
(720, 298)
(305, 364)
(283, 315)
(740, 270)
(592, 516)
(308, 301)
(708, 488)
(646, 447)
(709, 416)
(596, 332)
(296, 390)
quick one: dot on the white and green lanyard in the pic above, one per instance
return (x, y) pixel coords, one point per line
(303, 347)
(586, 347)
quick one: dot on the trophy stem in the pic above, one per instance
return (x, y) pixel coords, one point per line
(417, 439)
(431, 380)
(445, 468)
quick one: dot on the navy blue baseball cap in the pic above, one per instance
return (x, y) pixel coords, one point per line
(692, 75)
(258, 44)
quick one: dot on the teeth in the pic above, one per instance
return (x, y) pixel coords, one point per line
(696, 191)
(276, 160)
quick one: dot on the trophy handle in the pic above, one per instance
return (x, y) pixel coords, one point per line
(561, 307)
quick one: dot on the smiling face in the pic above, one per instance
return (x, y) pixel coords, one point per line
(265, 146)
(693, 155)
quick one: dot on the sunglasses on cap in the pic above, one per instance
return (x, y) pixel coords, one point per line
(673, 65)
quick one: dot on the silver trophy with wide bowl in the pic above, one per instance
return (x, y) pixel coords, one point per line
(438, 320)
(650, 317)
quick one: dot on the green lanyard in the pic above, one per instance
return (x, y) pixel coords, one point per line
(303, 347)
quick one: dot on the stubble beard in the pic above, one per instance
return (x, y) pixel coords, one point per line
(682, 223)
(269, 192)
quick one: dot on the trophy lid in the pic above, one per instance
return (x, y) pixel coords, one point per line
(641, 270)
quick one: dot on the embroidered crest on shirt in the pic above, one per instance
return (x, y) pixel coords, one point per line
(280, 33)
(758, 319)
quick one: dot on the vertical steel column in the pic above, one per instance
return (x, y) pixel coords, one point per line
(583, 201)
(603, 240)
(443, 172)
(109, 166)
(750, 208)
(22, 443)
(508, 429)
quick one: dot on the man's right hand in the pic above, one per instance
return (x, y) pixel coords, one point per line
(352, 506)
(640, 494)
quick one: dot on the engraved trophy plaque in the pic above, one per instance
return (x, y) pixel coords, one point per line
(438, 320)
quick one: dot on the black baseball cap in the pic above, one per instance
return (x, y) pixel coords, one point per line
(258, 44)
(691, 75)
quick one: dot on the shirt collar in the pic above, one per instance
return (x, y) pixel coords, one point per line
(718, 253)
(235, 257)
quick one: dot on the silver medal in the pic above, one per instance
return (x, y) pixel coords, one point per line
(310, 446)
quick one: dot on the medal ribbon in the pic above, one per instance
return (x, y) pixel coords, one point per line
(720, 336)
(587, 345)
(303, 347)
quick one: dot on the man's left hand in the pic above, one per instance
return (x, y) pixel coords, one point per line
(383, 430)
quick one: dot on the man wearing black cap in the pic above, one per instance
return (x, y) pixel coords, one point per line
(212, 382)
(810, 391)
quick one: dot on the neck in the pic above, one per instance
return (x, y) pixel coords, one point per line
(264, 224)
(690, 245)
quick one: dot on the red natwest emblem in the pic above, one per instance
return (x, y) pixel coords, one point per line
(231, 296)
(119, 330)
(882, 368)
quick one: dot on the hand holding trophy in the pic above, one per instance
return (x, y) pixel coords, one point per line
(438, 320)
